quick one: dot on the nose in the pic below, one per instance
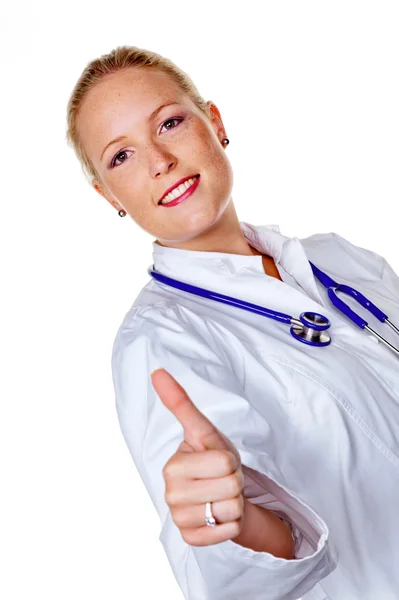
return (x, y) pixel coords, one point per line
(160, 160)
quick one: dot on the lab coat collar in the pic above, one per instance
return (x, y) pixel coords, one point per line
(201, 268)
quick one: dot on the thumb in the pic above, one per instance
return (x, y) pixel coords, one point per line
(199, 432)
(185, 447)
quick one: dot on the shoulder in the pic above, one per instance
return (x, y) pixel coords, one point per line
(172, 328)
(157, 321)
(336, 252)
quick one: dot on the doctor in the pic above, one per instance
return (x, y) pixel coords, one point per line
(273, 465)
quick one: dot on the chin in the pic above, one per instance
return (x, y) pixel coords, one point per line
(191, 224)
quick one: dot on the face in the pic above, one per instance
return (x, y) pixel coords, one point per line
(159, 149)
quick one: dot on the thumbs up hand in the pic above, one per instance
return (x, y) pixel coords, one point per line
(206, 467)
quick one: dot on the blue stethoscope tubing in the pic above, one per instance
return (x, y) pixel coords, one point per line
(311, 327)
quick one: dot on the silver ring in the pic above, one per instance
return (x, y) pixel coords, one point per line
(209, 518)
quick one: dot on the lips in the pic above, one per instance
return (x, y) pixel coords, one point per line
(175, 185)
(189, 191)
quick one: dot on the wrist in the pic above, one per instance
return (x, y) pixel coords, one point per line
(263, 531)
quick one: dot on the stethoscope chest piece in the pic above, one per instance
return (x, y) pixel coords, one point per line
(311, 329)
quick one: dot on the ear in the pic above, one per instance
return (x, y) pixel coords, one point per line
(99, 188)
(216, 120)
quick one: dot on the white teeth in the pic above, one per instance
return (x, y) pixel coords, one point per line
(178, 191)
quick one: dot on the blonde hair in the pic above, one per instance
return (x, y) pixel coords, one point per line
(122, 57)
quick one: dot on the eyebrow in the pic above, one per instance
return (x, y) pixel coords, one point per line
(150, 118)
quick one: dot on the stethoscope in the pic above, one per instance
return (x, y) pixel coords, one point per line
(311, 327)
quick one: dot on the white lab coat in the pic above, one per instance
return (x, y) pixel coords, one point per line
(316, 428)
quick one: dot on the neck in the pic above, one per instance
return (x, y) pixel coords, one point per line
(223, 236)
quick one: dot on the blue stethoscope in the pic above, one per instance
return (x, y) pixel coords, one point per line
(311, 327)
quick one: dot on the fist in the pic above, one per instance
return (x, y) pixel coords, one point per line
(206, 467)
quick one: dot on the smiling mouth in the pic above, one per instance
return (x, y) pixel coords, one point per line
(181, 192)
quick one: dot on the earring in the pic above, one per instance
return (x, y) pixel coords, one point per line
(225, 141)
(122, 213)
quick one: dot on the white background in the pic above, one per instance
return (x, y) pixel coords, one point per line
(308, 92)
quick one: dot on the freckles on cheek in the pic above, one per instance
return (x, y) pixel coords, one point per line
(143, 213)
(209, 156)
(206, 145)
(217, 162)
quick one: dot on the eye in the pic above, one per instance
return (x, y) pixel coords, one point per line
(171, 121)
(116, 157)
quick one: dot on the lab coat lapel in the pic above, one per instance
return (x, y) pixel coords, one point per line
(295, 262)
(288, 252)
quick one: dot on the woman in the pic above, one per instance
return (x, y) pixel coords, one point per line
(291, 449)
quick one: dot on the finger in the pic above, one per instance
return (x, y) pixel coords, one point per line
(205, 490)
(184, 447)
(199, 432)
(224, 511)
(207, 464)
(207, 536)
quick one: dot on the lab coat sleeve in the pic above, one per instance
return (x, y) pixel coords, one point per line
(224, 571)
